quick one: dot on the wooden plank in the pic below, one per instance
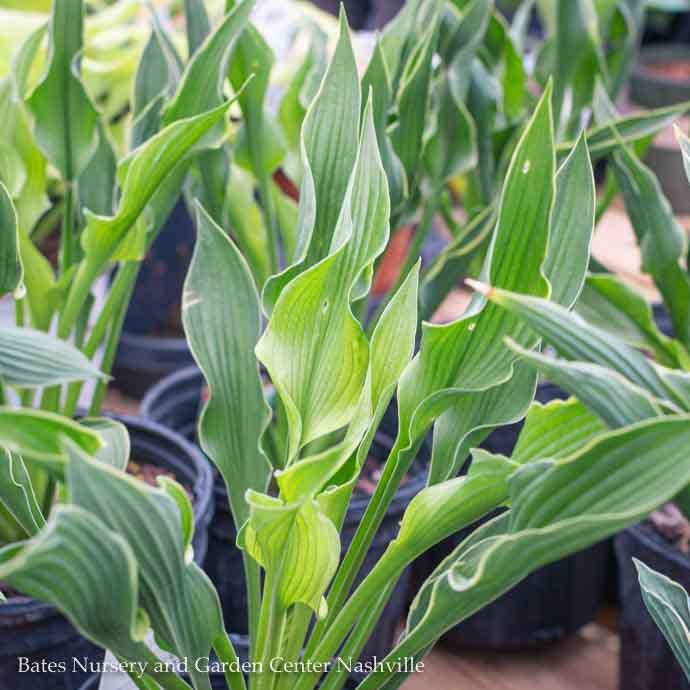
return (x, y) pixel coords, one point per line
(586, 661)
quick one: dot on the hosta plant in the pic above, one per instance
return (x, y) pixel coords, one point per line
(114, 556)
(107, 211)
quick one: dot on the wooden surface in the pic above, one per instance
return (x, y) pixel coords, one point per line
(586, 661)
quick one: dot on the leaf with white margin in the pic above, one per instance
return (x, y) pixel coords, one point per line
(668, 604)
(179, 599)
(329, 137)
(32, 359)
(81, 567)
(17, 493)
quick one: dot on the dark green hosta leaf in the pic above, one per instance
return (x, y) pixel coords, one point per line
(222, 321)
(465, 358)
(11, 269)
(201, 85)
(31, 358)
(17, 492)
(80, 566)
(320, 389)
(179, 599)
(661, 239)
(576, 340)
(609, 304)
(141, 174)
(668, 604)
(557, 508)
(37, 436)
(329, 148)
(65, 119)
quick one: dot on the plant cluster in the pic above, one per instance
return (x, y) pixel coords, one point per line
(279, 292)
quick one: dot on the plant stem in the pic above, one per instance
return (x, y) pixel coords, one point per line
(252, 575)
(270, 623)
(361, 613)
(118, 298)
(399, 461)
(271, 218)
(296, 634)
(228, 657)
(67, 235)
(109, 353)
(420, 235)
(361, 633)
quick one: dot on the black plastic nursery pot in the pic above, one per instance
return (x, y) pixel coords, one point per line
(547, 605)
(152, 343)
(38, 632)
(646, 660)
(662, 78)
(159, 446)
(174, 402)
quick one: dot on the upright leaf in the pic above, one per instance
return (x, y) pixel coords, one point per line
(222, 321)
(321, 387)
(460, 361)
(329, 148)
(668, 604)
(661, 239)
(65, 118)
(11, 269)
(201, 85)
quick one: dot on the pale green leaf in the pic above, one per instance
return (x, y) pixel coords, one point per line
(320, 389)
(116, 447)
(140, 175)
(661, 239)
(181, 603)
(37, 436)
